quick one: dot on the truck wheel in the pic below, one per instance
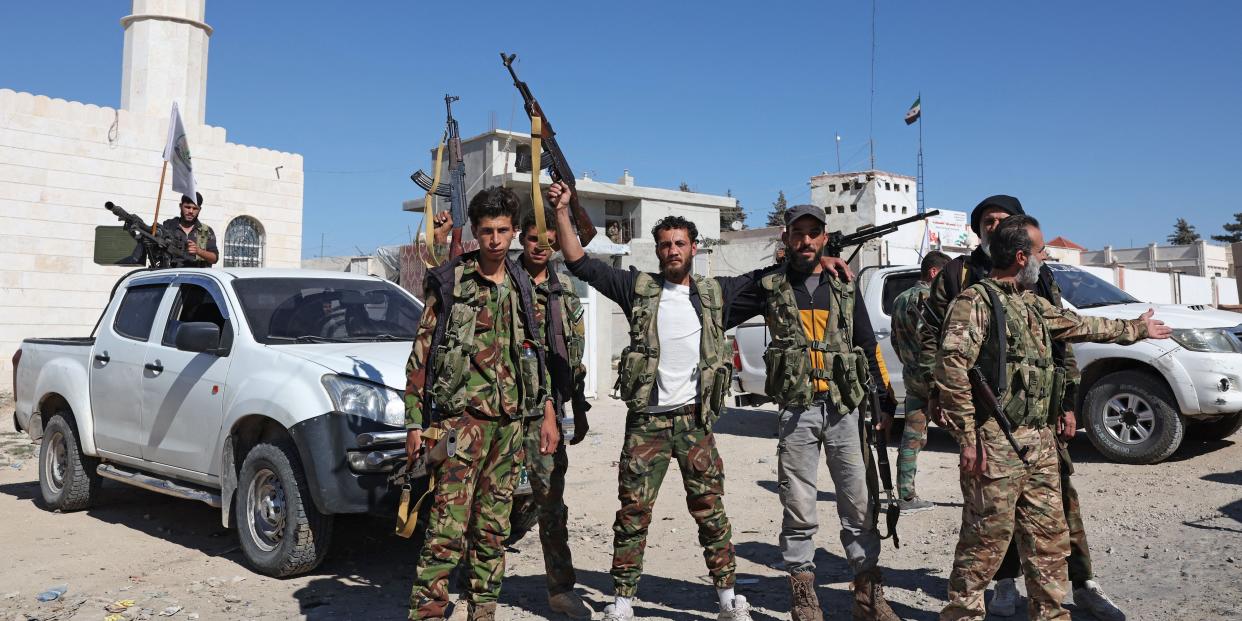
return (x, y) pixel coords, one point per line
(67, 478)
(1132, 418)
(281, 531)
(522, 518)
(1211, 431)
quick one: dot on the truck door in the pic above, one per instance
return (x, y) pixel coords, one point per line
(116, 377)
(183, 396)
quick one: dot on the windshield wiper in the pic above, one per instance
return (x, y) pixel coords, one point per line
(306, 338)
(1105, 303)
(376, 337)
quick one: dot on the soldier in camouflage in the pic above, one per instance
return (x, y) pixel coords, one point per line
(1004, 498)
(477, 367)
(673, 377)
(907, 312)
(957, 275)
(188, 233)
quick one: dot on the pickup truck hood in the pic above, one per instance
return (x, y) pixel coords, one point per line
(1175, 315)
(382, 363)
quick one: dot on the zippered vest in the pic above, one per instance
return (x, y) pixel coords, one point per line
(636, 372)
(1021, 377)
(791, 371)
(453, 346)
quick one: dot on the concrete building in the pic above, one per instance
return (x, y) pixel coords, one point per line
(1064, 251)
(854, 200)
(1197, 259)
(623, 213)
(61, 160)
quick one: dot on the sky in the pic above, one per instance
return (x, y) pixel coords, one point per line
(1108, 120)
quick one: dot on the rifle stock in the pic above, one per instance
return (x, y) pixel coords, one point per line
(993, 410)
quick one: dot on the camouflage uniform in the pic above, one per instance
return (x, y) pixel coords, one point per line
(970, 269)
(479, 380)
(1012, 499)
(202, 235)
(907, 309)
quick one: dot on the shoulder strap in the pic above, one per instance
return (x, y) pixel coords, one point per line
(553, 318)
(646, 285)
(996, 334)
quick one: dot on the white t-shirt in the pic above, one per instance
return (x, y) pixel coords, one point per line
(679, 332)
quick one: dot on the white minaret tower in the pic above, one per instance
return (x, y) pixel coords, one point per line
(166, 59)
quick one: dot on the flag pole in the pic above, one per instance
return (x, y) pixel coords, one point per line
(159, 196)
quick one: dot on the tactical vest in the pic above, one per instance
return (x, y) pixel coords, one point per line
(1011, 361)
(791, 371)
(453, 346)
(565, 344)
(636, 372)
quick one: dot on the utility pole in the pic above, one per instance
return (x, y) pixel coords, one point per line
(321, 237)
(838, 152)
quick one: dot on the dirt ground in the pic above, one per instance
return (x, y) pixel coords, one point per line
(1166, 542)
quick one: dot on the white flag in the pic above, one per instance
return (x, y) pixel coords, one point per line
(177, 153)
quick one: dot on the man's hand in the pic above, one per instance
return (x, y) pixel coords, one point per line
(974, 458)
(935, 412)
(192, 248)
(549, 435)
(837, 267)
(581, 427)
(883, 421)
(1067, 426)
(558, 195)
(413, 443)
(443, 224)
(1155, 328)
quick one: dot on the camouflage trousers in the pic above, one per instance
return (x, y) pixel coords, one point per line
(651, 442)
(1012, 501)
(469, 514)
(913, 439)
(1080, 554)
(547, 483)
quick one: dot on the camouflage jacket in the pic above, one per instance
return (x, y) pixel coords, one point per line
(565, 342)
(907, 312)
(489, 361)
(971, 269)
(202, 235)
(1033, 324)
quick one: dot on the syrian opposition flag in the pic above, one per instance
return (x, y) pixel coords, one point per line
(913, 113)
(177, 154)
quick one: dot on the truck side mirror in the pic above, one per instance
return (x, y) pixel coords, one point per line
(198, 336)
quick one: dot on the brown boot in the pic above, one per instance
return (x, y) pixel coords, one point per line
(869, 604)
(805, 605)
(482, 612)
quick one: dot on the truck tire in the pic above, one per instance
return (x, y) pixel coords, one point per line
(67, 478)
(1132, 418)
(281, 531)
(1211, 431)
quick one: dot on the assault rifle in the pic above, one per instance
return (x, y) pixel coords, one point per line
(992, 409)
(557, 165)
(455, 189)
(838, 242)
(880, 442)
(158, 250)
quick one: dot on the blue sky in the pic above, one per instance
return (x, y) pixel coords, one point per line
(1108, 120)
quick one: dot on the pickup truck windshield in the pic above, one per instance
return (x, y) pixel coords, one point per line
(325, 310)
(1086, 290)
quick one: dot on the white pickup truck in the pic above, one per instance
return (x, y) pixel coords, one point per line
(1137, 403)
(275, 395)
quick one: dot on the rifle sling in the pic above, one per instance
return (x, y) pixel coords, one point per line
(536, 192)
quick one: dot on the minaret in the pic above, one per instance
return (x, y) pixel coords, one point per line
(166, 59)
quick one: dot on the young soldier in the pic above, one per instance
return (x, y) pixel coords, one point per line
(477, 367)
(821, 346)
(1004, 498)
(907, 310)
(956, 276)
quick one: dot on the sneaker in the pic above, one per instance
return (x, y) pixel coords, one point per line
(1093, 598)
(740, 611)
(1005, 599)
(570, 605)
(914, 505)
(612, 614)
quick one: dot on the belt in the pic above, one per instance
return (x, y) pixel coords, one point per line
(689, 408)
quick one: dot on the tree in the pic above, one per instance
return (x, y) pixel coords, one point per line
(685, 187)
(777, 217)
(1183, 233)
(1233, 231)
(729, 215)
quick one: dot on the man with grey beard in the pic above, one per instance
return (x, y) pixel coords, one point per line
(957, 276)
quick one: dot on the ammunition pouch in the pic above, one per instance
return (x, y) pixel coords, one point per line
(848, 371)
(449, 372)
(1056, 403)
(788, 369)
(721, 378)
(636, 369)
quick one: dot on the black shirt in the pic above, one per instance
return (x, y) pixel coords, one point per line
(172, 229)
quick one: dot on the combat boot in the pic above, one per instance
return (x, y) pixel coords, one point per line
(869, 603)
(483, 612)
(805, 606)
(570, 605)
(1093, 598)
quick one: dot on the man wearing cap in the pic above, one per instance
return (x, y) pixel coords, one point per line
(958, 275)
(190, 234)
(822, 348)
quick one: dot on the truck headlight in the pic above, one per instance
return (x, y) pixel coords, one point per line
(1216, 340)
(360, 398)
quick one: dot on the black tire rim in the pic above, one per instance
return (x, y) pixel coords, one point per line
(266, 510)
(1129, 419)
(56, 464)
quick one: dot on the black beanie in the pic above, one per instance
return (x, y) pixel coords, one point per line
(1003, 202)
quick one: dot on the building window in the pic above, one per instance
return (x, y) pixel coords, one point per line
(243, 243)
(840, 208)
(887, 186)
(903, 209)
(832, 187)
(617, 227)
(854, 207)
(907, 187)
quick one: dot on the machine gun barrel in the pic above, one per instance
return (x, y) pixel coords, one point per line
(838, 242)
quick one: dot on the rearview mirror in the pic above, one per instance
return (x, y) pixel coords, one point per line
(198, 336)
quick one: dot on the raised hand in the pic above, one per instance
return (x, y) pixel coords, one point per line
(1155, 328)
